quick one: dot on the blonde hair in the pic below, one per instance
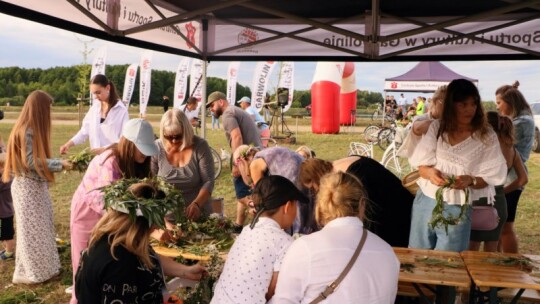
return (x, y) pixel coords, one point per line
(175, 121)
(123, 231)
(340, 195)
(311, 170)
(35, 116)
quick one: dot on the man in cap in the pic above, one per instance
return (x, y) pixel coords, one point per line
(264, 129)
(251, 271)
(240, 129)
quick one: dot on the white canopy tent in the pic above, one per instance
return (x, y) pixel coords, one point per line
(303, 30)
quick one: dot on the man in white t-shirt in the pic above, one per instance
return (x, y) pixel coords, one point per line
(192, 112)
(402, 102)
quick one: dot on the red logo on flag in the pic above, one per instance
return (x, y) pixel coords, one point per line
(393, 85)
(190, 29)
(146, 64)
(233, 72)
(131, 72)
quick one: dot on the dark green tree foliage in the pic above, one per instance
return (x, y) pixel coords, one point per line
(64, 85)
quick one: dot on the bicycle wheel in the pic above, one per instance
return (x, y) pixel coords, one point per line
(385, 137)
(217, 162)
(397, 165)
(370, 133)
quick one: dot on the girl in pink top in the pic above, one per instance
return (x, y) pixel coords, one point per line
(130, 158)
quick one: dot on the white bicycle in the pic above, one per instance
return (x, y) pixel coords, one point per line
(390, 160)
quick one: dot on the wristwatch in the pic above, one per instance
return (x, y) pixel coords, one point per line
(474, 181)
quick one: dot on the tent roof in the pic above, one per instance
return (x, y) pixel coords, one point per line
(344, 30)
(430, 71)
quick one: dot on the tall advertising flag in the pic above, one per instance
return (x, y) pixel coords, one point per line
(196, 82)
(145, 81)
(263, 70)
(180, 82)
(232, 73)
(286, 82)
(129, 83)
(98, 65)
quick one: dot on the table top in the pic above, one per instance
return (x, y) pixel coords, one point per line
(173, 253)
(426, 273)
(487, 274)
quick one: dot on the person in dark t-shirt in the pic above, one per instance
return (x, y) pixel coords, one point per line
(120, 266)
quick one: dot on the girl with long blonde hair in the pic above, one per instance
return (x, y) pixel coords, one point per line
(120, 265)
(29, 162)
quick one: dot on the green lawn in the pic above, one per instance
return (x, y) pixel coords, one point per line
(327, 147)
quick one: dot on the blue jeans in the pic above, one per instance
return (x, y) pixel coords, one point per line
(423, 236)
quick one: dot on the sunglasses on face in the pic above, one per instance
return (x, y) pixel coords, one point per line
(172, 138)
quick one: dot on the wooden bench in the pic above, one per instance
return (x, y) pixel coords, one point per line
(406, 289)
(532, 296)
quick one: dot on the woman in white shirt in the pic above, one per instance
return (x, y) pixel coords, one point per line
(315, 261)
(459, 145)
(103, 123)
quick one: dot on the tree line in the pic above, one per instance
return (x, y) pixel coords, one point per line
(66, 84)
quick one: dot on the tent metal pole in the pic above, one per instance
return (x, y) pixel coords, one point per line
(204, 66)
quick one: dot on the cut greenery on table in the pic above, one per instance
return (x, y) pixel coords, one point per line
(81, 160)
(439, 262)
(203, 237)
(522, 262)
(437, 217)
(203, 291)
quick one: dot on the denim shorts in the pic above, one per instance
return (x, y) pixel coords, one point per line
(242, 190)
(425, 237)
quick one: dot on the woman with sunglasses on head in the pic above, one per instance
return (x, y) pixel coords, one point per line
(103, 123)
(129, 158)
(185, 160)
(511, 103)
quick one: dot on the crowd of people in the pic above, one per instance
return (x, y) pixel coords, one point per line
(314, 224)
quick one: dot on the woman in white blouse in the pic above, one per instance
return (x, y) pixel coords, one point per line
(316, 260)
(103, 123)
(459, 145)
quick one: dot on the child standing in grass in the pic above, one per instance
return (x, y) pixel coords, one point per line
(6, 213)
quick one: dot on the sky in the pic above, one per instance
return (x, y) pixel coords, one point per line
(28, 44)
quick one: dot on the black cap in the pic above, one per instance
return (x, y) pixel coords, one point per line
(275, 191)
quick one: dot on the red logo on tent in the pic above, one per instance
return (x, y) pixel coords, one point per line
(146, 64)
(131, 72)
(247, 35)
(190, 35)
(393, 85)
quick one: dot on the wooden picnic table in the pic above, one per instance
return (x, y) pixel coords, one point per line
(487, 275)
(174, 252)
(423, 274)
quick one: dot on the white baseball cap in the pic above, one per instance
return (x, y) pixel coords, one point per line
(140, 132)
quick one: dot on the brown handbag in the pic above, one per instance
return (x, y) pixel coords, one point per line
(332, 287)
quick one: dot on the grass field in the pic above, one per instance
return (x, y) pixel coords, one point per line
(327, 147)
